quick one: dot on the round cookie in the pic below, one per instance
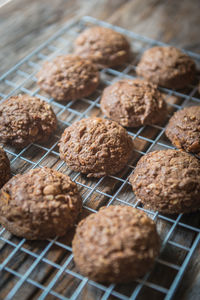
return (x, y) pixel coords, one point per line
(133, 103)
(104, 46)
(4, 167)
(168, 181)
(183, 129)
(118, 244)
(68, 77)
(24, 120)
(96, 147)
(40, 204)
(167, 66)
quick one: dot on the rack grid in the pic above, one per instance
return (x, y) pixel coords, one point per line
(45, 269)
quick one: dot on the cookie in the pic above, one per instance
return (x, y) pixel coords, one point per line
(167, 66)
(104, 46)
(68, 77)
(40, 204)
(118, 244)
(183, 129)
(4, 167)
(133, 103)
(24, 120)
(168, 181)
(96, 147)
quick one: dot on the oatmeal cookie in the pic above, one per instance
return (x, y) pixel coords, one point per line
(133, 103)
(118, 244)
(96, 147)
(104, 46)
(167, 66)
(168, 181)
(4, 167)
(40, 204)
(183, 129)
(68, 77)
(24, 120)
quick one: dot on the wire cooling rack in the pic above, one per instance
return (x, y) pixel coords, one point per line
(45, 269)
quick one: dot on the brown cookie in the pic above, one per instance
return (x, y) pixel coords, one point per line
(68, 77)
(104, 46)
(24, 120)
(96, 147)
(133, 103)
(167, 66)
(40, 204)
(183, 129)
(4, 167)
(117, 244)
(168, 181)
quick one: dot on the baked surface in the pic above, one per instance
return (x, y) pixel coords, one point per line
(183, 129)
(68, 77)
(24, 120)
(4, 167)
(117, 244)
(167, 66)
(133, 103)
(168, 181)
(104, 46)
(40, 204)
(96, 147)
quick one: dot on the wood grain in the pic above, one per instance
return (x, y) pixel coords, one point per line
(24, 25)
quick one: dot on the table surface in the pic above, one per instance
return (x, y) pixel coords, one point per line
(24, 24)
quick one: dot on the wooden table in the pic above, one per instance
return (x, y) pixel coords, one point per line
(24, 24)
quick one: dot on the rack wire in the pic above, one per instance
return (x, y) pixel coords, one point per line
(45, 269)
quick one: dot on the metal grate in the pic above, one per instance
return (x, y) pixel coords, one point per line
(45, 269)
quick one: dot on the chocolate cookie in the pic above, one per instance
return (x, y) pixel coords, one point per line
(96, 147)
(4, 167)
(117, 244)
(168, 181)
(183, 129)
(133, 103)
(24, 120)
(68, 77)
(104, 46)
(40, 204)
(167, 66)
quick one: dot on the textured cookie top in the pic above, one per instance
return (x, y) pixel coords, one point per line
(68, 77)
(116, 237)
(4, 167)
(133, 103)
(42, 202)
(25, 119)
(96, 147)
(103, 46)
(168, 181)
(166, 66)
(184, 129)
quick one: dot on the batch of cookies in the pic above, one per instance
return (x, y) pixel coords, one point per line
(118, 243)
